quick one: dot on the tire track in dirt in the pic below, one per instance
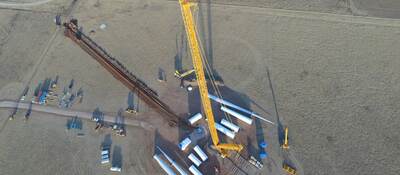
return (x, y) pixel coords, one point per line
(49, 45)
(6, 30)
(23, 4)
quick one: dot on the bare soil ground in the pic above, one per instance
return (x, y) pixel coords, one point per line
(334, 78)
(43, 145)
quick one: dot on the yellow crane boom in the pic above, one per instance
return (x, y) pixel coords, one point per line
(195, 51)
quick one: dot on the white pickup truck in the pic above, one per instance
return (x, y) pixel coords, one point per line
(105, 155)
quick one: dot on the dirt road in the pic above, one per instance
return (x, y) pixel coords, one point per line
(71, 113)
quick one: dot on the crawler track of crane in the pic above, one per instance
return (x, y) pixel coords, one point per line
(118, 70)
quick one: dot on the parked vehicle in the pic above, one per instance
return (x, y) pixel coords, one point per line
(116, 169)
(105, 156)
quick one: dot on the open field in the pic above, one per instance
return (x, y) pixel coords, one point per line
(43, 145)
(335, 79)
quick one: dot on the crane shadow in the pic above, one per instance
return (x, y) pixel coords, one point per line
(205, 26)
(181, 48)
(280, 130)
(205, 30)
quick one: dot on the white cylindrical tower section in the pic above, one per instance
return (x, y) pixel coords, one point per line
(195, 118)
(194, 159)
(194, 170)
(201, 153)
(184, 144)
(164, 166)
(227, 103)
(237, 115)
(224, 130)
(174, 164)
(230, 125)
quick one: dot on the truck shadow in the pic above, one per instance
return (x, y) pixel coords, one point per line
(117, 157)
(120, 119)
(107, 142)
(280, 130)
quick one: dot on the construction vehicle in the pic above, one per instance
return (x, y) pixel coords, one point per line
(285, 144)
(54, 86)
(197, 58)
(28, 112)
(130, 111)
(182, 74)
(288, 169)
(119, 130)
(99, 125)
(24, 93)
(188, 81)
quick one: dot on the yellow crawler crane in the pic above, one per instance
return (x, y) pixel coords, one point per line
(197, 58)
